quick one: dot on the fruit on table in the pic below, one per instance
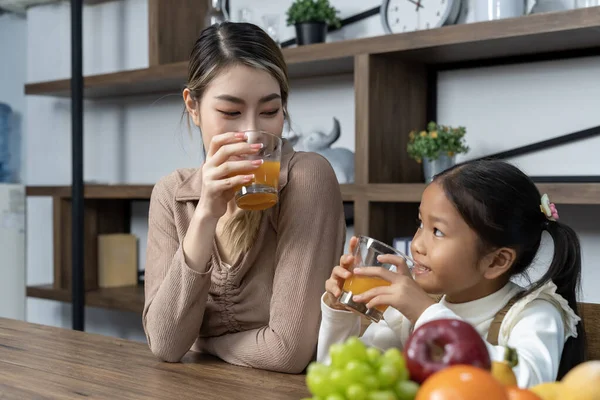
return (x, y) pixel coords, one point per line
(360, 373)
(547, 390)
(503, 370)
(515, 393)
(462, 382)
(581, 382)
(441, 343)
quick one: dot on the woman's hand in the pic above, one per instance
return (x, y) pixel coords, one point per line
(224, 170)
(340, 273)
(404, 294)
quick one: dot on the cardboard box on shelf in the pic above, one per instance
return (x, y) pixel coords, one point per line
(117, 260)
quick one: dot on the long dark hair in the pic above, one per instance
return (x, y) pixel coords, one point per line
(502, 205)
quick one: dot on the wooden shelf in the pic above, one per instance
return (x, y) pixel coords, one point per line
(128, 298)
(132, 192)
(538, 34)
(92, 191)
(560, 193)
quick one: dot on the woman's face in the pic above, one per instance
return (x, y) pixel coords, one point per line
(239, 98)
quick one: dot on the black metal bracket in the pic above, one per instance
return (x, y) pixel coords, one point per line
(547, 144)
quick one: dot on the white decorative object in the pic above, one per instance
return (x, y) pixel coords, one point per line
(586, 3)
(341, 159)
(399, 16)
(271, 23)
(489, 10)
(543, 6)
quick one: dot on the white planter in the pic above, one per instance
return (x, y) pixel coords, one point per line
(434, 167)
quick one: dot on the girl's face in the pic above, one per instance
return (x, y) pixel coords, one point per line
(447, 252)
(240, 98)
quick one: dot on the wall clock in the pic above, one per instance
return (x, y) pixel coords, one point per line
(398, 16)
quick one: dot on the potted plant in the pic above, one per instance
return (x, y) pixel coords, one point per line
(436, 147)
(311, 19)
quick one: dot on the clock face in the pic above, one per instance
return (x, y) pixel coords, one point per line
(400, 16)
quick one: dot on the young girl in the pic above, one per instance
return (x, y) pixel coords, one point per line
(480, 223)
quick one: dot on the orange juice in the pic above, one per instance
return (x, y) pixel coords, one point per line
(360, 284)
(263, 189)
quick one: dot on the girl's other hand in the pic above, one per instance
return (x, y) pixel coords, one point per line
(340, 273)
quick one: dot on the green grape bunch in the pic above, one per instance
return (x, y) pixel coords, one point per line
(358, 372)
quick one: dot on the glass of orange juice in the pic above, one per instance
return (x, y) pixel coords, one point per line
(262, 192)
(365, 255)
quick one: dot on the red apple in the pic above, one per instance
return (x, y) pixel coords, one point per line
(438, 344)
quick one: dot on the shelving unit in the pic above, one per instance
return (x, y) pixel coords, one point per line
(541, 36)
(395, 92)
(127, 298)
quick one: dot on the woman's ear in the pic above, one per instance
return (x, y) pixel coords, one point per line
(498, 262)
(191, 106)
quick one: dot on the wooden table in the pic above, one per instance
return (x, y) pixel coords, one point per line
(42, 362)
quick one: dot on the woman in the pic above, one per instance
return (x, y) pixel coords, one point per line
(241, 285)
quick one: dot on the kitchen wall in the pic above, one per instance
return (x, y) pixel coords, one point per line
(138, 140)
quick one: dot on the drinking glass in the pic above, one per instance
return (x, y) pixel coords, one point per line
(365, 255)
(263, 191)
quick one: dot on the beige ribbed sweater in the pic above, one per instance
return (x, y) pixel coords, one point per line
(263, 311)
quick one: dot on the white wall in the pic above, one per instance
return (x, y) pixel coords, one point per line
(139, 140)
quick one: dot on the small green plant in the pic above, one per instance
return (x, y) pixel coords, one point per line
(312, 11)
(436, 140)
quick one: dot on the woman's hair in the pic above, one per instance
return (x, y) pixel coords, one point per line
(219, 47)
(502, 205)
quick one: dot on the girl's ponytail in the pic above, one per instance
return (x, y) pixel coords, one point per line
(565, 272)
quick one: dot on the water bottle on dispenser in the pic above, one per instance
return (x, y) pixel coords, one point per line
(6, 116)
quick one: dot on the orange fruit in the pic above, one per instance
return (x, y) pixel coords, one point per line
(462, 382)
(515, 393)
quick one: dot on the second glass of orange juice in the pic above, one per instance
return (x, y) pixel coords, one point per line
(365, 255)
(262, 192)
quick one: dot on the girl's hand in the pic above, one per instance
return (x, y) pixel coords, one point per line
(223, 171)
(404, 294)
(340, 273)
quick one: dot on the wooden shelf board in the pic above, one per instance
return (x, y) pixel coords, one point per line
(394, 192)
(533, 34)
(92, 191)
(560, 193)
(349, 192)
(94, 2)
(128, 298)
(572, 193)
(140, 192)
